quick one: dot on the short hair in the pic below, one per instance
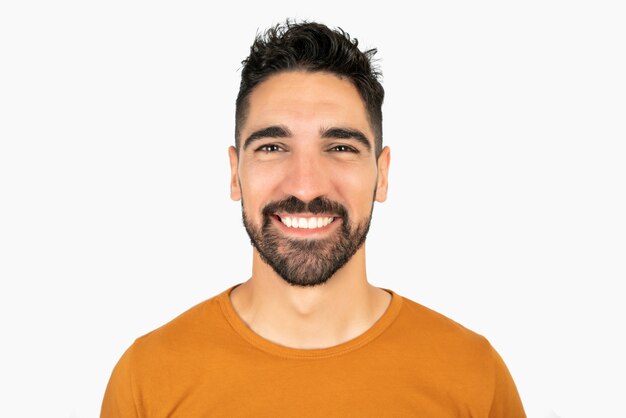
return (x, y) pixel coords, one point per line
(312, 47)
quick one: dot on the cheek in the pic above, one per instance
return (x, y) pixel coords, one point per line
(356, 189)
(257, 188)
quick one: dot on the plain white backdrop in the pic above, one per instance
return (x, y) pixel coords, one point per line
(507, 203)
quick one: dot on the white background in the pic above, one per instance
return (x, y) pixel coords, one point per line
(506, 123)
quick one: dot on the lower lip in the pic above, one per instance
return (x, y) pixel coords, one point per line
(305, 232)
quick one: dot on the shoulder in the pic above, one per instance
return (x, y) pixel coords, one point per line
(155, 363)
(418, 319)
(464, 359)
(197, 328)
(443, 343)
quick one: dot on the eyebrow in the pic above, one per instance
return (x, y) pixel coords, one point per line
(269, 132)
(347, 133)
(333, 132)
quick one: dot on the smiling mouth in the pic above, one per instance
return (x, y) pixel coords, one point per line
(306, 222)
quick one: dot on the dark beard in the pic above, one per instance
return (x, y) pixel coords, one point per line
(306, 262)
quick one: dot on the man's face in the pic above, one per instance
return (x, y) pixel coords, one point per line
(307, 174)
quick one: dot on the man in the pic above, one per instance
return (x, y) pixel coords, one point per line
(307, 335)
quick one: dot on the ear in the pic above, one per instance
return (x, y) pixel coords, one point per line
(235, 190)
(383, 175)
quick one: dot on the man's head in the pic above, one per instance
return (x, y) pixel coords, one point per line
(311, 47)
(308, 163)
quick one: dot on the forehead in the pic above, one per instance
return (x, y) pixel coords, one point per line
(306, 100)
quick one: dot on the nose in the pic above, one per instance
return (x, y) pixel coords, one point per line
(306, 177)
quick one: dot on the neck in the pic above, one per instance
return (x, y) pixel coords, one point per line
(310, 317)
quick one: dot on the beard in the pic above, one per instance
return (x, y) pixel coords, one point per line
(306, 262)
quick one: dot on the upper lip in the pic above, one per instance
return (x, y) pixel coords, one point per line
(306, 215)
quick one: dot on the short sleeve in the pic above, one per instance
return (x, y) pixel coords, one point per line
(506, 402)
(119, 398)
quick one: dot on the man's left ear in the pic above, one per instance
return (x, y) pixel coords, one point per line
(383, 175)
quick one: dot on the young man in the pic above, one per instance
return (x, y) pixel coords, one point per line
(307, 335)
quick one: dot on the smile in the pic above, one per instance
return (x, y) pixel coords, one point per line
(302, 222)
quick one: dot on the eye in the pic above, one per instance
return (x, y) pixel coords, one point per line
(267, 148)
(344, 148)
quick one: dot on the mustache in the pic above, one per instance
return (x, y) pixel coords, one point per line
(316, 206)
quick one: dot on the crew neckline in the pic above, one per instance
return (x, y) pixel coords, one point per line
(280, 350)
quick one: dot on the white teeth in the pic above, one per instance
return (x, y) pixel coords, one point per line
(307, 223)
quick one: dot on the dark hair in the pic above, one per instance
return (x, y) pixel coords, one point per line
(312, 46)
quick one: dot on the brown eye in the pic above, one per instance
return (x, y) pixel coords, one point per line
(269, 148)
(343, 148)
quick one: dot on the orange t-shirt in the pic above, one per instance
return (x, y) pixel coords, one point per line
(411, 362)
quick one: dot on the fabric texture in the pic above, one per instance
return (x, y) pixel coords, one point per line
(413, 362)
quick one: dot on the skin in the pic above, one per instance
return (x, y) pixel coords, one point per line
(306, 166)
